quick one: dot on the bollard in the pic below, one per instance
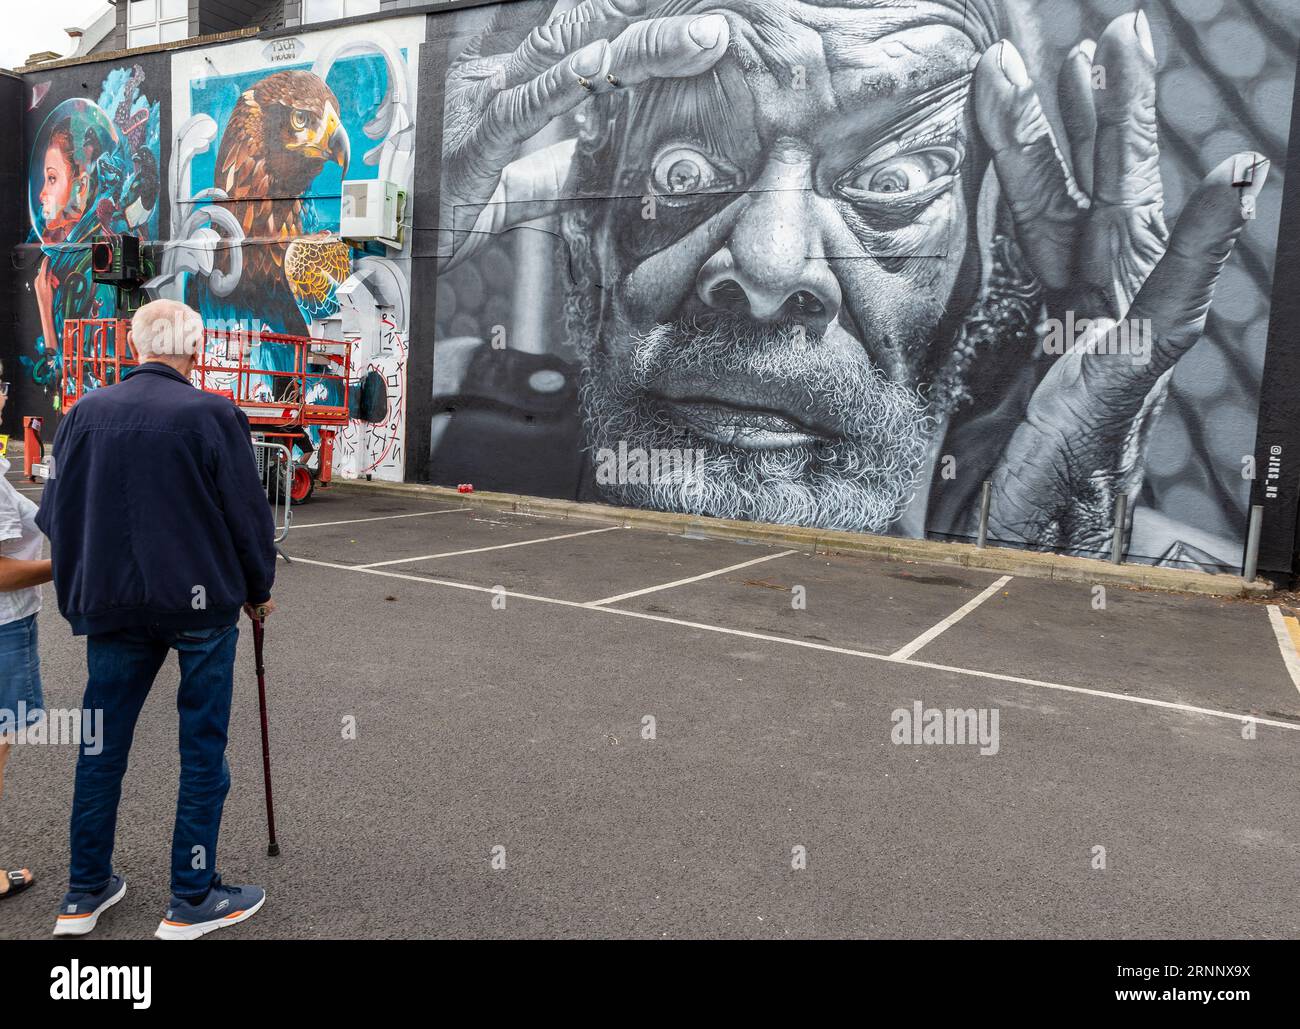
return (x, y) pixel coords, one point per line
(326, 458)
(984, 514)
(1117, 542)
(33, 450)
(1252, 543)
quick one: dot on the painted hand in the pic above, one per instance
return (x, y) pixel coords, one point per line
(45, 284)
(1097, 240)
(512, 82)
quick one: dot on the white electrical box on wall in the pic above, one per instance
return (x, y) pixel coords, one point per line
(372, 209)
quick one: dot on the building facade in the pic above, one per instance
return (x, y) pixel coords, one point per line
(836, 266)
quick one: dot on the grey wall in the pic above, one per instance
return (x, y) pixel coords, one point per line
(12, 227)
(592, 276)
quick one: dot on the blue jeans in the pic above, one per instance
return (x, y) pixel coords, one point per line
(122, 666)
(21, 701)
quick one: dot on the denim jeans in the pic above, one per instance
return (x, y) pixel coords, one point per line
(122, 666)
(21, 700)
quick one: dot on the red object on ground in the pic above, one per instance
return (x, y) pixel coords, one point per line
(465, 487)
(32, 450)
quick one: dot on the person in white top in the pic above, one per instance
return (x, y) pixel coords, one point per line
(22, 571)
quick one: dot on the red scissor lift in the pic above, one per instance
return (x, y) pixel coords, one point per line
(98, 351)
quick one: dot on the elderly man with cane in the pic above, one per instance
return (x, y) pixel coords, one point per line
(160, 533)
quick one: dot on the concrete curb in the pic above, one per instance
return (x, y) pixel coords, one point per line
(1029, 564)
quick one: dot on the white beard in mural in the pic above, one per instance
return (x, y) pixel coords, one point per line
(802, 235)
(791, 430)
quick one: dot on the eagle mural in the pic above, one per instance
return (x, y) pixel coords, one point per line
(259, 156)
(281, 135)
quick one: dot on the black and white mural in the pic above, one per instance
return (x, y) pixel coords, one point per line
(838, 264)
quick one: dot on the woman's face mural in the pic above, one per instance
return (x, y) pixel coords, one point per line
(60, 174)
(92, 170)
(64, 169)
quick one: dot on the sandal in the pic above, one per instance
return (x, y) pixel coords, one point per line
(17, 883)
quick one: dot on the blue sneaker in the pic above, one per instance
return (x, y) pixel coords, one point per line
(223, 906)
(79, 913)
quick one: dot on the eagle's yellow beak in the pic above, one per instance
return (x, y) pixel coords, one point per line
(334, 138)
(338, 143)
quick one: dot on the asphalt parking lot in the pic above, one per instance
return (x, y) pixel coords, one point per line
(504, 673)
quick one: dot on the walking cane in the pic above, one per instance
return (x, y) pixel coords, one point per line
(259, 630)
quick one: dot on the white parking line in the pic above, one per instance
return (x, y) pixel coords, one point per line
(810, 645)
(480, 550)
(1285, 643)
(380, 518)
(683, 582)
(908, 649)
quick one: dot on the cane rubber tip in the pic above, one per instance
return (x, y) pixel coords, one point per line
(273, 850)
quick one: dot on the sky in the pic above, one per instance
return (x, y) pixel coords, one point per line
(39, 24)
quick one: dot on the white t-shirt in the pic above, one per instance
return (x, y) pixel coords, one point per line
(21, 540)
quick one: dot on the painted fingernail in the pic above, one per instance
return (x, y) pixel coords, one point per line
(1143, 29)
(589, 60)
(1086, 49)
(1013, 65)
(1261, 173)
(707, 31)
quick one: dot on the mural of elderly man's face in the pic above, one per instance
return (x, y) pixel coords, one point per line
(784, 303)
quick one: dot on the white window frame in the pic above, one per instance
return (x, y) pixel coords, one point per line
(312, 10)
(139, 23)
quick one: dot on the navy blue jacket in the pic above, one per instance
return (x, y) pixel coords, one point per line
(156, 515)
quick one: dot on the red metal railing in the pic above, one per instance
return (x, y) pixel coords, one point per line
(99, 351)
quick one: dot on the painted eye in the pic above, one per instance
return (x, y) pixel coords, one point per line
(681, 171)
(299, 120)
(904, 174)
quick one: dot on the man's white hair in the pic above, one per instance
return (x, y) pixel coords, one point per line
(166, 328)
